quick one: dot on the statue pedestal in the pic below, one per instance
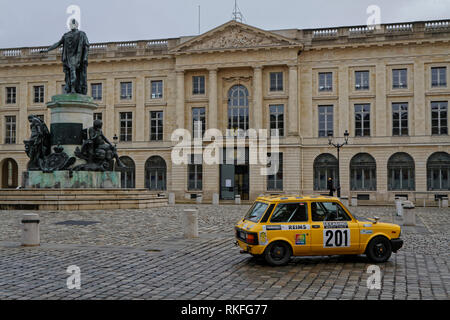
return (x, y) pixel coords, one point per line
(70, 114)
(71, 180)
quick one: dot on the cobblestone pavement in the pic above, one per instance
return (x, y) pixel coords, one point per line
(140, 254)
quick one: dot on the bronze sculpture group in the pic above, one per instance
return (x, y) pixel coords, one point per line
(96, 150)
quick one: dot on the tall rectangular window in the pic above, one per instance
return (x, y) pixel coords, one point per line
(400, 119)
(157, 89)
(276, 120)
(325, 81)
(10, 95)
(126, 126)
(38, 94)
(438, 77)
(276, 81)
(362, 120)
(195, 172)
(10, 129)
(275, 181)
(126, 90)
(361, 80)
(198, 85)
(198, 122)
(325, 120)
(439, 117)
(399, 78)
(156, 125)
(97, 89)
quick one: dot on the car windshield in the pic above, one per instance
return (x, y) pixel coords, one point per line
(256, 211)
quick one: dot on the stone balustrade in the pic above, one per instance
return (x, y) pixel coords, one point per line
(420, 29)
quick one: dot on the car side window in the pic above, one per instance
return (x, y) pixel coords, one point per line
(328, 211)
(290, 212)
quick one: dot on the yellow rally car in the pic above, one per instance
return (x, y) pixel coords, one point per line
(278, 227)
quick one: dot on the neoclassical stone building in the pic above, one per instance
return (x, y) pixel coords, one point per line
(389, 87)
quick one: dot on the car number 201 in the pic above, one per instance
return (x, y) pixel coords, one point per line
(336, 238)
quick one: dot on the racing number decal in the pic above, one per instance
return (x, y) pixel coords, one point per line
(336, 238)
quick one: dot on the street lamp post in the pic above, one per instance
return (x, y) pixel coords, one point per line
(338, 146)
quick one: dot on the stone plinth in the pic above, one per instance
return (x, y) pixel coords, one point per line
(67, 179)
(70, 114)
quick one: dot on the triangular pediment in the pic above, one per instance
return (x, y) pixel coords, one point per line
(234, 35)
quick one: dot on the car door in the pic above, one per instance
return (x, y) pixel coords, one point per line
(290, 221)
(333, 231)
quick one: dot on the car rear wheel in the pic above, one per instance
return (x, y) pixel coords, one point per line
(379, 249)
(278, 253)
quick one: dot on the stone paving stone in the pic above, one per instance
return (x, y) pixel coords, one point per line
(140, 254)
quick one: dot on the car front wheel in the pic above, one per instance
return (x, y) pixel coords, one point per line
(278, 253)
(379, 249)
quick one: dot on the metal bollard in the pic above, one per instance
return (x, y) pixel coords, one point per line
(354, 202)
(444, 202)
(30, 230)
(190, 223)
(237, 199)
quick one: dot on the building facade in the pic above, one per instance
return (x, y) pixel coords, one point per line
(388, 86)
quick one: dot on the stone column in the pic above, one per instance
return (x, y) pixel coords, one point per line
(417, 115)
(212, 110)
(256, 113)
(140, 109)
(293, 101)
(380, 99)
(22, 125)
(109, 123)
(180, 99)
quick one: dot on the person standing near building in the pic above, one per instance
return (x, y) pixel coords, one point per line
(330, 186)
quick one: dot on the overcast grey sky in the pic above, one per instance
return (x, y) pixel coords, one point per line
(42, 22)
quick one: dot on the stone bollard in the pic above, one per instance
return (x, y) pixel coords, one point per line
(444, 202)
(237, 199)
(399, 206)
(190, 223)
(30, 230)
(215, 198)
(344, 201)
(354, 201)
(409, 218)
(171, 198)
(199, 199)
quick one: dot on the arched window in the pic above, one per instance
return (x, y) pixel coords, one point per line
(238, 108)
(128, 174)
(155, 173)
(401, 172)
(363, 172)
(9, 173)
(325, 166)
(438, 171)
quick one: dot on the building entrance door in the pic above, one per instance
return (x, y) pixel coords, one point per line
(234, 178)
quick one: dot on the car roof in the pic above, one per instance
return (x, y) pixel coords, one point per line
(295, 198)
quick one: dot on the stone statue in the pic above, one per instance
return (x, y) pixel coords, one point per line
(75, 58)
(97, 151)
(38, 146)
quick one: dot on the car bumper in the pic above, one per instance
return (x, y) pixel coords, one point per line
(396, 244)
(252, 249)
